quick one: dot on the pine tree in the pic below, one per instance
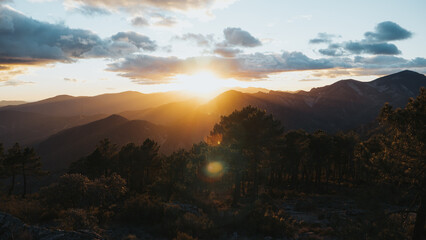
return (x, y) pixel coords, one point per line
(30, 166)
(11, 164)
(404, 152)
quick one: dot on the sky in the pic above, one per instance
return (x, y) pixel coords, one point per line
(91, 47)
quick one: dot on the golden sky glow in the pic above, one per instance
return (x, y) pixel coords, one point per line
(203, 47)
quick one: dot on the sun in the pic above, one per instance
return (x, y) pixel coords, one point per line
(202, 83)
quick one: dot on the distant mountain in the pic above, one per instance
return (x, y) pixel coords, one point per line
(344, 105)
(59, 150)
(167, 114)
(10, 103)
(65, 106)
(29, 128)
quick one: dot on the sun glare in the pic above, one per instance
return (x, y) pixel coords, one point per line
(203, 83)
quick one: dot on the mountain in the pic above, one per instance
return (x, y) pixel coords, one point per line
(65, 106)
(29, 128)
(59, 150)
(344, 105)
(10, 103)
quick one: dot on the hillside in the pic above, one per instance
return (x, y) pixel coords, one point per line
(59, 150)
(65, 105)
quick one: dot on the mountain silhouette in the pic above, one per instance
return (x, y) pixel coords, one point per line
(59, 150)
(344, 105)
(112, 103)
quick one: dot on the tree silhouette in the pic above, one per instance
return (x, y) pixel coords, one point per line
(100, 162)
(2, 170)
(405, 151)
(30, 166)
(11, 164)
(252, 135)
(138, 164)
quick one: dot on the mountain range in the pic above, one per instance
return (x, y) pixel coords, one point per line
(65, 128)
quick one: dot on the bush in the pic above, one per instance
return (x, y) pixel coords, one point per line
(195, 225)
(264, 219)
(143, 209)
(77, 191)
(76, 219)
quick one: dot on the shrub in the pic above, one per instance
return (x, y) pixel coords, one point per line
(76, 219)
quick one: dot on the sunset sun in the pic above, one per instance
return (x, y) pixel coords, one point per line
(203, 83)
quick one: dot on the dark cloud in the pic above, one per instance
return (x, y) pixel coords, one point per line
(378, 62)
(371, 48)
(387, 31)
(239, 37)
(361, 47)
(140, 21)
(28, 41)
(322, 38)
(139, 40)
(25, 41)
(375, 43)
(226, 52)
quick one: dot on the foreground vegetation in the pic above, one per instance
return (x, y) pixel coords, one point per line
(249, 178)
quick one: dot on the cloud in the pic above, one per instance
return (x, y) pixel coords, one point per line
(14, 83)
(233, 38)
(28, 41)
(200, 39)
(239, 37)
(322, 38)
(146, 69)
(138, 40)
(378, 62)
(375, 43)
(137, 5)
(70, 80)
(226, 52)
(371, 48)
(140, 21)
(25, 41)
(387, 31)
(165, 21)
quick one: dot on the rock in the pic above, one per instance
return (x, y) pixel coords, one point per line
(13, 228)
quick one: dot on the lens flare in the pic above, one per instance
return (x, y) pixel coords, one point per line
(215, 168)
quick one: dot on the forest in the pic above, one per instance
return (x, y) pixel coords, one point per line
(250, 179)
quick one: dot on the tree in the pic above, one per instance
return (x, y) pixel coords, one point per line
(405, 151)
(100, 162)
(1, 161)
(11, 164)
(30, 166)
(320, 147)
(138, 164)
(251, 135)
